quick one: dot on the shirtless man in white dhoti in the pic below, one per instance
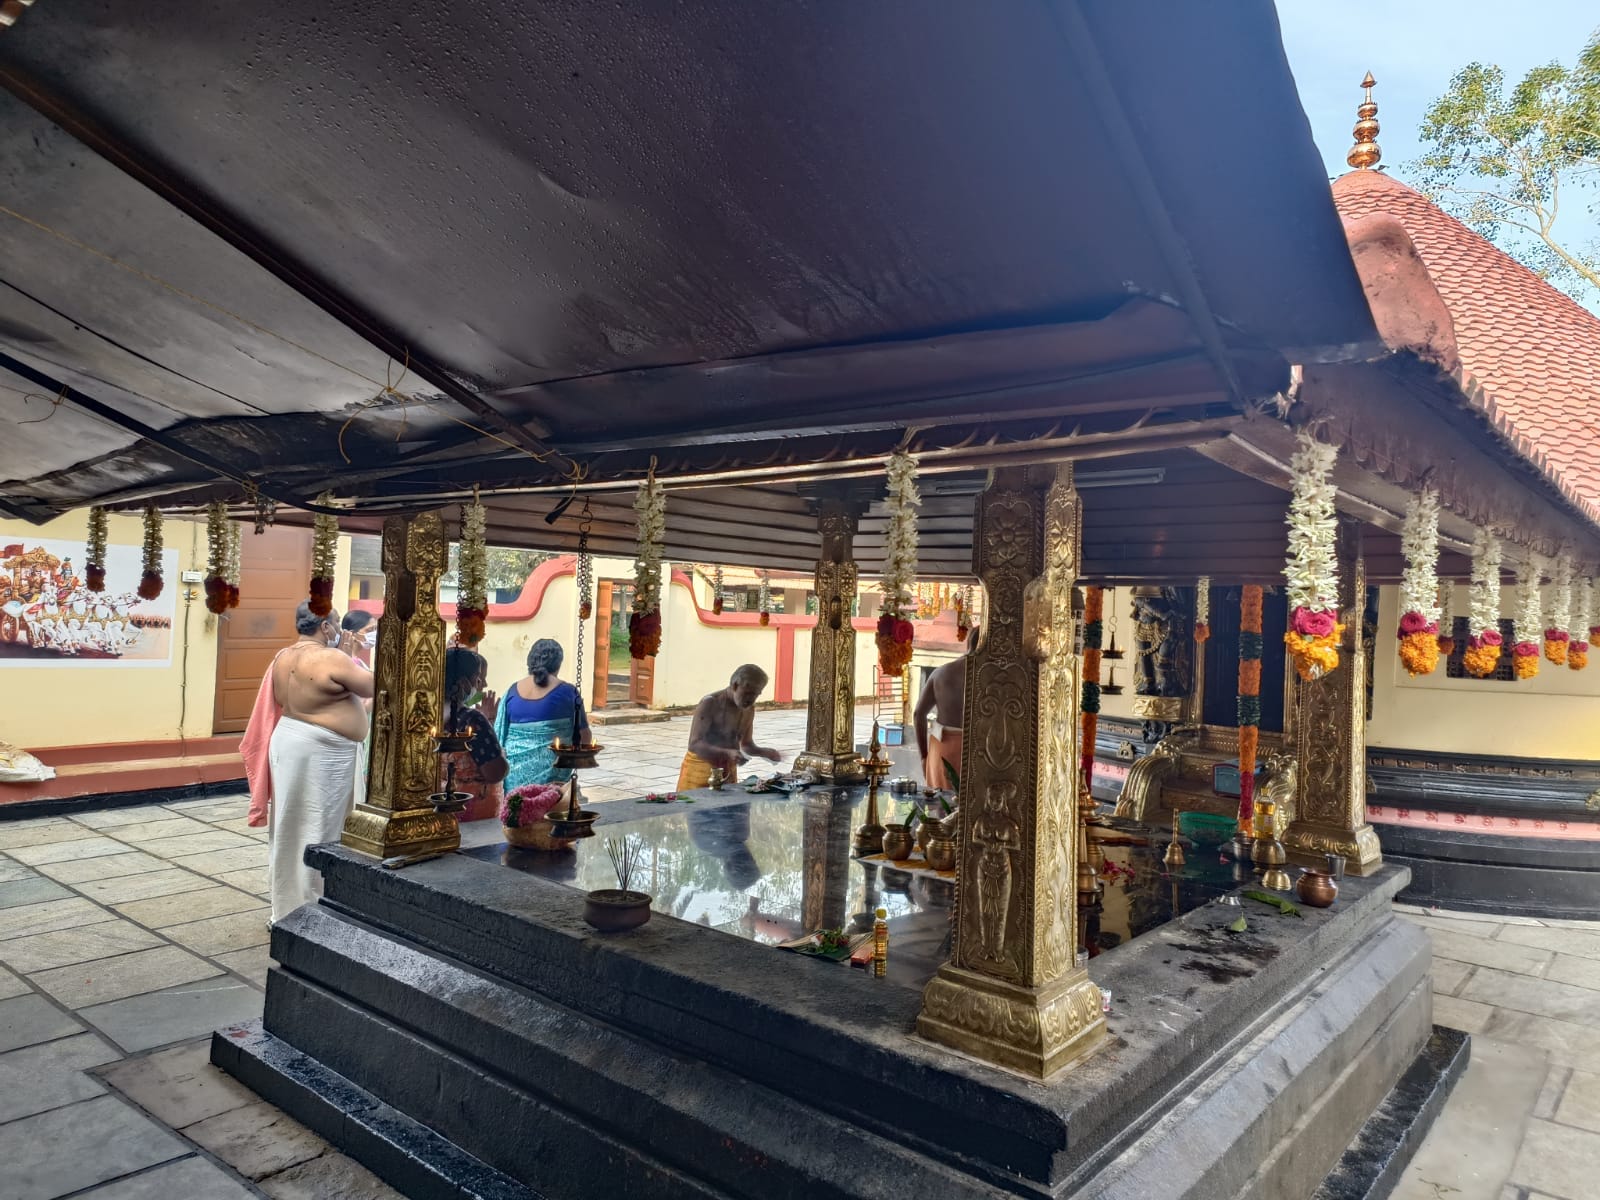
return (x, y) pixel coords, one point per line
(312, 753)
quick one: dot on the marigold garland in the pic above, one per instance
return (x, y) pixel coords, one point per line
(472, 574)
(1418, 633)
(717, 600)
(1312, 571)
(964, 613)
(1250, 647)
(644, 623)
(230, 573)
(94, 558)
(1202, 609)
(324, 556)
(1529, 622)
(150, 581)
(1094, 606)
(1582, 634)
(895, 633)
(1447, 621)
(764, 599)
(1484, 643)
(216, 581)
(1557, 635)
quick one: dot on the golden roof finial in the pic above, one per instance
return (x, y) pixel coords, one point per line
(1365, 153)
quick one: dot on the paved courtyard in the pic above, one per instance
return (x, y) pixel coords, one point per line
(127, 935)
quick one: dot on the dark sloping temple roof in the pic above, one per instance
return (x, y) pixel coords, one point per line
(574, 237)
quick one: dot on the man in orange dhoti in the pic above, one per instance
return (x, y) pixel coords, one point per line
(945, 693)
(723, 732)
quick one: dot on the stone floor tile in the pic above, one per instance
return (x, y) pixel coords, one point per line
(1589, 926)
(1470, 1150)
(66, 1149)
(105, 979)
(178, 1086)
(197, 843)
(1555, 1086)
(31, 1019)
(1580, 972)
(10, 870)
(217, 862)
(177, 1014)
(133, 814)
(160, 911)
(193, 1178)
(257, 1140)
(27, 919)
(251, 963)
(63, 947)
(1505, 956)
(1539, 996)
(1454, 1013)
(70, 848)
(18, 835)
(38, 1078)
(212, 810)
(1567, 1044)
(167, 882)
(330, 1176)
(252, 880)
(106, 866)
(218, 935)
(1449, 975)
(165, 826)
(1485, 928)
(31, 891)
(11, 985)
(1580, 1104)
(241, 826)
(1576, 943)
(1557, 1160)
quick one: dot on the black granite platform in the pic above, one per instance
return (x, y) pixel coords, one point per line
(676, 1060)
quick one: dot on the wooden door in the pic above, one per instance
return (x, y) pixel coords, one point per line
(273, 569)
(600, 680)
(642, 680)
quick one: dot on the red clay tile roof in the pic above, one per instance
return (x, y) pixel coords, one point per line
(1533, 352)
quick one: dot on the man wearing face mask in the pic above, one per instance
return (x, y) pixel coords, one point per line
(311, 714)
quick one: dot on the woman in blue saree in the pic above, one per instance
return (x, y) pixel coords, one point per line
(536, 710)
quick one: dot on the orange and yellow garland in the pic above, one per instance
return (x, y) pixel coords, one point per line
(1250, 647)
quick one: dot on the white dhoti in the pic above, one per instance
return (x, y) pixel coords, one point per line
(313, 777)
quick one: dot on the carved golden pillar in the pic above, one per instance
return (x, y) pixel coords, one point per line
(1012, 992)
(830, 718)
(1330, 734)
(396, 818)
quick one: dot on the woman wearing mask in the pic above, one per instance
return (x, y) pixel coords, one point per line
(536, 710)
(482, 766)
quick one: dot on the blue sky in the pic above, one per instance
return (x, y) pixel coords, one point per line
(1413, 47)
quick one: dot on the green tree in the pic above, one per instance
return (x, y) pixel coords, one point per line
(508, 569)
(1515, 165)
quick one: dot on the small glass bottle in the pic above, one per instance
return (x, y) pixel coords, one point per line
(880, 943)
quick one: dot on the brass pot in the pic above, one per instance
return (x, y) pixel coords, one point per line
(1317, 888)
(941, 854)
(535, 837)
(897, 842)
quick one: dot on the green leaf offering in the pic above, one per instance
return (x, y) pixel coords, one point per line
(1238, 926)
(1278, 902)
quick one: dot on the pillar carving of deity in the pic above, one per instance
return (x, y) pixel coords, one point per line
(1330, 723)
(397, 819)
(830, 719)
(1012, 992)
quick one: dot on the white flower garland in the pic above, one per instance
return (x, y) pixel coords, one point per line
(1561, 594)
(230, 570)
(1485, 590)
(1202, 601)
(650, 506)
(1312, 572)
(324, 540)
(217, 540)
(1529, 624)
(95, 543)
(472, 563)
(765, 601)
(1582, 609)
(900, 539)
(716, 584)
(1419, 542)
(1447, 598)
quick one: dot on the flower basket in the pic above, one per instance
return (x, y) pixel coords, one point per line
(524, 814)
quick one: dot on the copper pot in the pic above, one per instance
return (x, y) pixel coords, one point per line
(1317, 888)
(897, 842)
(612, 910)
(536, 836)
(941, 854)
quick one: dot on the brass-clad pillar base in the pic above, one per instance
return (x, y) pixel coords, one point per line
(1359, 847)
(1036, 1030)
(834, 768)
(396, 819)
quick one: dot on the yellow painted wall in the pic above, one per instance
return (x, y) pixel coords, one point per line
(73, 706)
(1554, 715)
